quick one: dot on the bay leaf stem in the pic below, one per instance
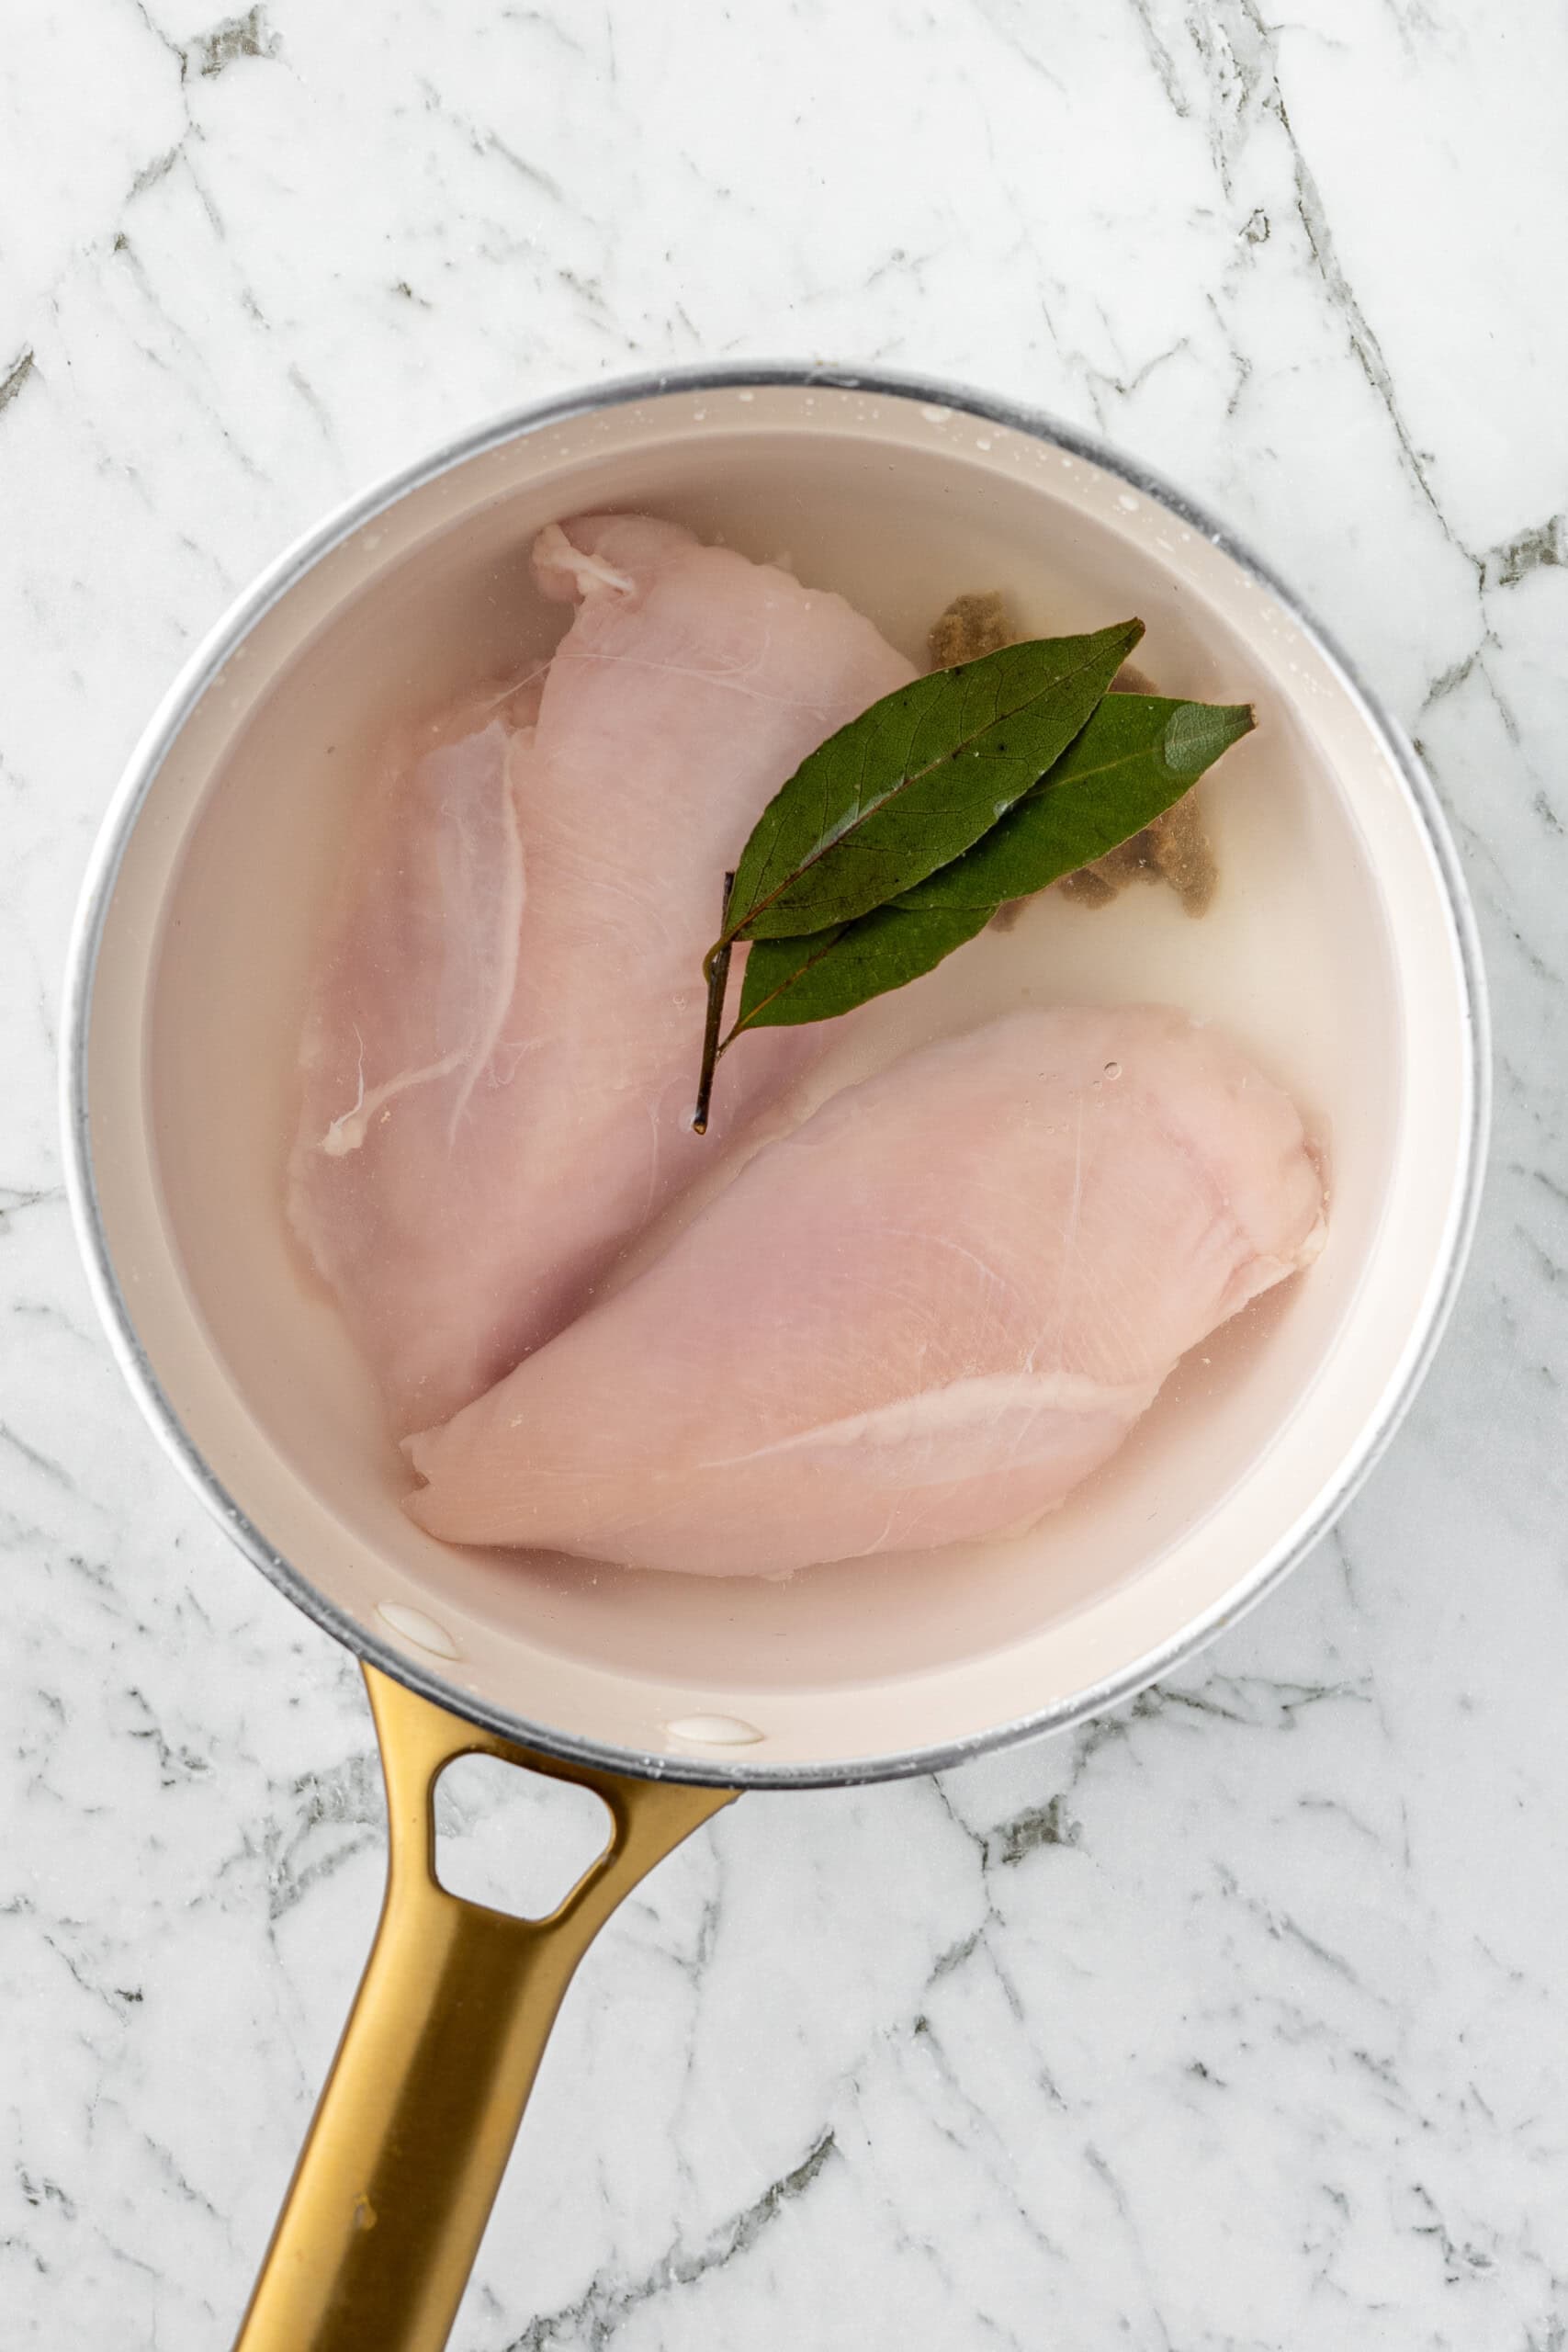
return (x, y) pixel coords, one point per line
(719, 979)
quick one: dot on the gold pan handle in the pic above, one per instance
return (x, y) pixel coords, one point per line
(385, 2213)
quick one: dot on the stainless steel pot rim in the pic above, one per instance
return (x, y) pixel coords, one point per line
(169, 719)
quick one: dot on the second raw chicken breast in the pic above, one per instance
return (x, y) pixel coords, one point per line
(922, 1316)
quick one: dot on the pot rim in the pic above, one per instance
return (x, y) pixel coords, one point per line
(124, 810)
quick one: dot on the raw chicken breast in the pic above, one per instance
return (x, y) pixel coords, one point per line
(922, 1316)
(501, 1054)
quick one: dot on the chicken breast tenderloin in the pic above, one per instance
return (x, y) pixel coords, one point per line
(922, 1316)
(500, 1055)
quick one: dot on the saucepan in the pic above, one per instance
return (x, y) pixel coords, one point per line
(1343, 955)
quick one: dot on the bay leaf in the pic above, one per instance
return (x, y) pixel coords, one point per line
(1132, 760)
(831, 972)
(1137, 756)
(915, 781)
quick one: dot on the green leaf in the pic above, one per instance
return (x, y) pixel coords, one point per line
(832, 972)
(1136, 756)
(915, 781)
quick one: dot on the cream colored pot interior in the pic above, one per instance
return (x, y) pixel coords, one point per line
(1332, 952)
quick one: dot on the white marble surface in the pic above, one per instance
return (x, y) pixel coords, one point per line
(1238, 2021)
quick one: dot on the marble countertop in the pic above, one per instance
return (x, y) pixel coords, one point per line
(1238, 2019)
